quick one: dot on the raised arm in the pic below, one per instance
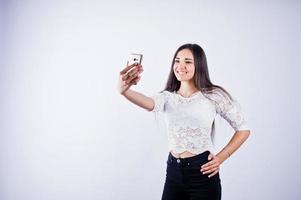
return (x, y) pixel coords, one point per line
(129, 76)
(139, 99)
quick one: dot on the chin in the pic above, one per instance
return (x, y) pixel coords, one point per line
(184, 79)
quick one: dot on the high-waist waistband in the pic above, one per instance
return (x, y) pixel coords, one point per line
(201, 156)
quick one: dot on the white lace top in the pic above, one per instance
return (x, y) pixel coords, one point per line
(189, 119)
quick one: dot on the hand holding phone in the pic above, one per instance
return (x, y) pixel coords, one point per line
(134, 59)
(130, 75)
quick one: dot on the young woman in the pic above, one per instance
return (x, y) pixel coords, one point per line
(190, 103)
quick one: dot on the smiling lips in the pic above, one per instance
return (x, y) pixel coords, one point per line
(181, 72)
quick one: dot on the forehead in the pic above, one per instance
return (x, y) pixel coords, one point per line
(185, 53)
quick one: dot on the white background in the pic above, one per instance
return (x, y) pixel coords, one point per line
(66, 133)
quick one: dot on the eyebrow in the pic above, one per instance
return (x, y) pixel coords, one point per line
(185, 58)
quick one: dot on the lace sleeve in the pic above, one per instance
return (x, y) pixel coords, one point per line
(159, 99)
(230, 110)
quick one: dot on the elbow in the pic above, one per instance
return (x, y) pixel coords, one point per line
(248, 133)
(245, 133)
(150, 105)
(150, 108)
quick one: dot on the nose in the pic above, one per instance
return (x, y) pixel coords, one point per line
(181, 65)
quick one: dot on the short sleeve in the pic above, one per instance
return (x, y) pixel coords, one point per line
(230, 110)
(159, 99)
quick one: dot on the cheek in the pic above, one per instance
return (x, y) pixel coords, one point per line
(174, 68)
(191, 69)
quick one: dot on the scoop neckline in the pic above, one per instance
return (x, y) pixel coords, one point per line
(193, 95)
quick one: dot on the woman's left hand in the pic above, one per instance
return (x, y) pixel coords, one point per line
(212, 166)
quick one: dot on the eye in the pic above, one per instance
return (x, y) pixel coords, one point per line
(176, 61)
(188, 62)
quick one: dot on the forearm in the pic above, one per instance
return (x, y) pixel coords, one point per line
(236, 141)
(139, 99)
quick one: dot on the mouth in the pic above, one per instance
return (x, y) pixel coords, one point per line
(181, 72)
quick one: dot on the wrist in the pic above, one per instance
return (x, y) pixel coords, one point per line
(223, 155)
(123, 93)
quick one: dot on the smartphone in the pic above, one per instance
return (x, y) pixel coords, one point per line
(135, 58)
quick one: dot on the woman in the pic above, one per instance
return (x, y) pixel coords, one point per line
(190, 103)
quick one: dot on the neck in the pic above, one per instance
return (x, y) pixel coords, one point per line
(187, 88)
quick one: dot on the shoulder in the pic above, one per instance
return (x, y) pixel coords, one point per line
(160, 99)
(162, 94)
(217, 95)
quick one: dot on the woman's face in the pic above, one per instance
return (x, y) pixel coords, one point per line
(184, 65)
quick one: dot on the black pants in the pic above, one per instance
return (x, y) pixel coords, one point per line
(184, 180)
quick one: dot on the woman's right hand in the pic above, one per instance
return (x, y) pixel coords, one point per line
(129, 76)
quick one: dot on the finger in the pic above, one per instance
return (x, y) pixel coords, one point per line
(129, 74)
(135, 70)
(133, 74)
(208, 171)
(127, 68)
(215, 162)
(209, 168)
(136, 80)
(212, 174)
(131, 78)
(210, 156)
(208, 164)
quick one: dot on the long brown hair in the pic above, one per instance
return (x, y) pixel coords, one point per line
(201, 77)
